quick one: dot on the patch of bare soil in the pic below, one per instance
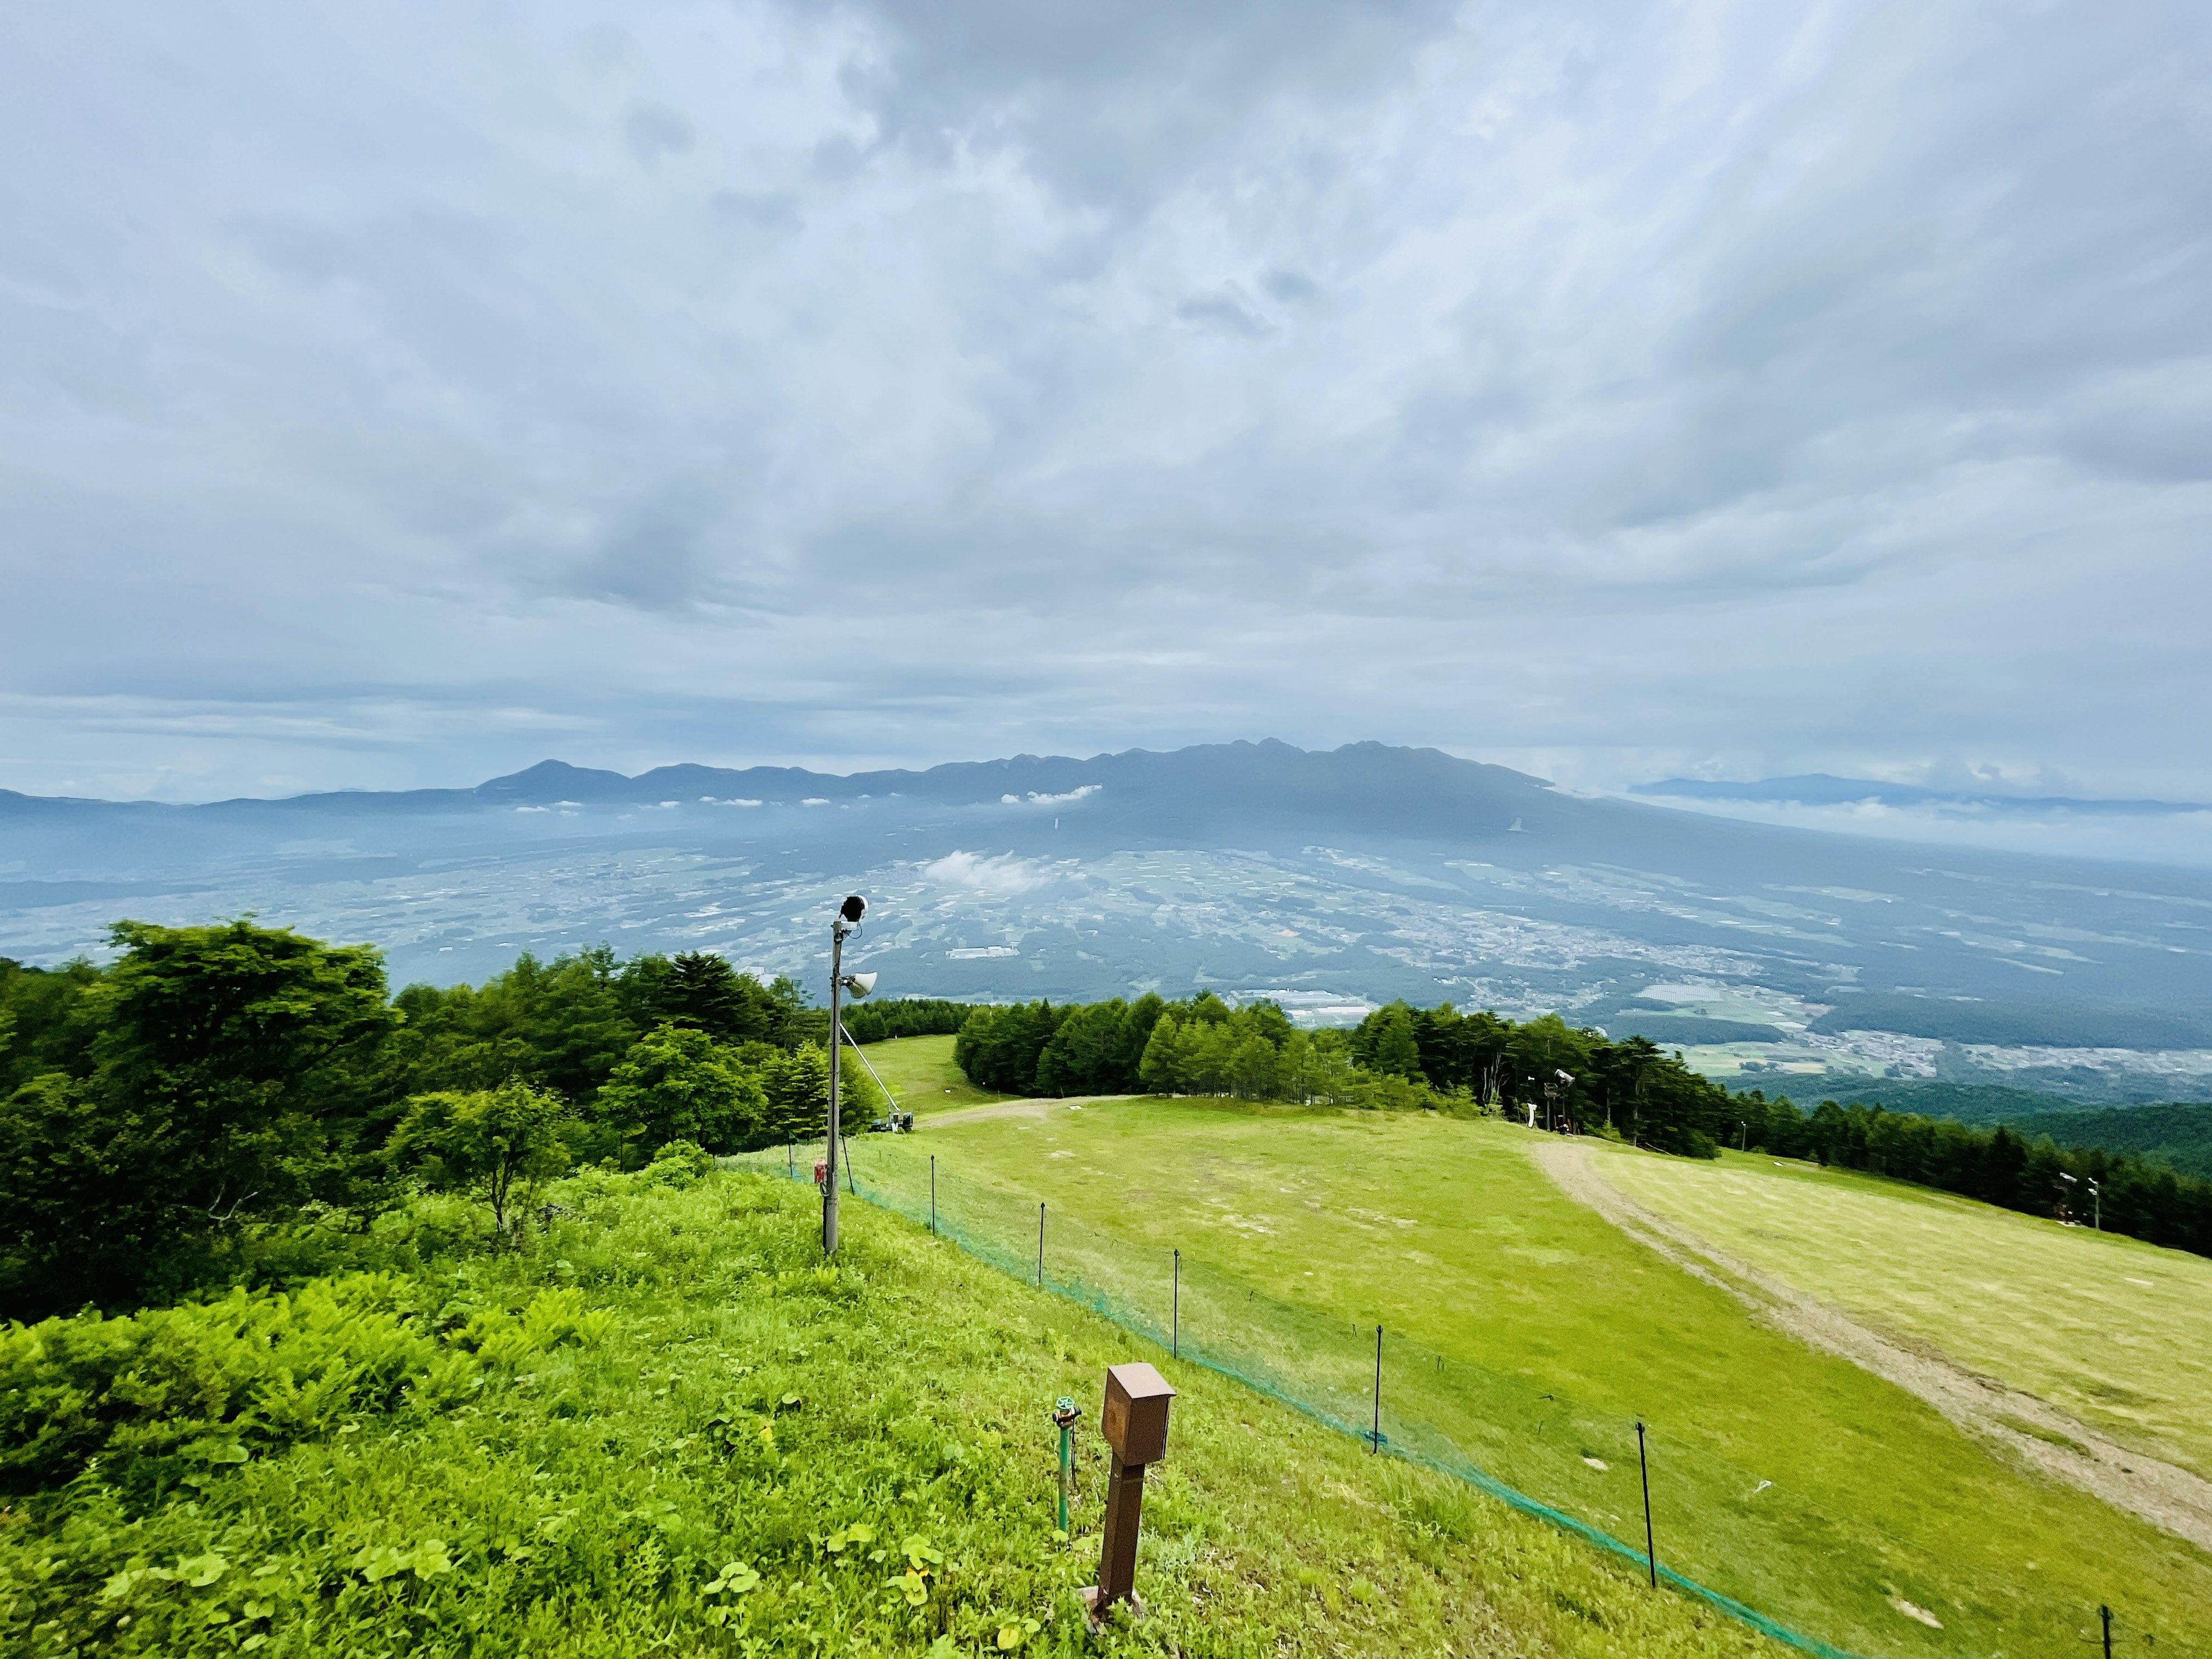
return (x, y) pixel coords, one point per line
(1040, 1107)
(2049, 1440)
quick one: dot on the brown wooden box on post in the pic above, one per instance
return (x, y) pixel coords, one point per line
(1135, 1418)
(1135, 1423)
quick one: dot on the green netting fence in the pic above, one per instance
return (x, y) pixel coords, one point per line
(1742, 1543)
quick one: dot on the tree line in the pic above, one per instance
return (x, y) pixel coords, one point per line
(877, 1022)
(1198, 1046)
(152, 1111)
(1397, 1057)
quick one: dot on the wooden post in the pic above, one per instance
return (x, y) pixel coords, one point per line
(1135, 1423)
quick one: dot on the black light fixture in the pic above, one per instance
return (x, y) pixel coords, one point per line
(853, 908)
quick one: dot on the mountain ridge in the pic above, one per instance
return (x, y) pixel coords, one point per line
(553, 780)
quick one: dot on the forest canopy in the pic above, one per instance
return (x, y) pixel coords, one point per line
(153, 1109)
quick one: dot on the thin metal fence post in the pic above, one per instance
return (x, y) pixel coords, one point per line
(1039, 1247)
(1175, 1311)
(1377, 1445)
(2106, 1614)
(1650, 1551)
(933, 1194)
(791, 1160)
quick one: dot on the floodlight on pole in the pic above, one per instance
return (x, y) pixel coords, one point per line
(848, 918)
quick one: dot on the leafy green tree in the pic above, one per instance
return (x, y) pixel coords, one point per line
(700, 989)
(1000, 1047)
(1083, 1054)
(1256, 1070)
(1134, 1033)
(42, 1027)
(226, 1080)
(498, 1145)
(677, 1083)
(1394, 1053)
(564, 1025)
(1160, 1071)
(797, 1083)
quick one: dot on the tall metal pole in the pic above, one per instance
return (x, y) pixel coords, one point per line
(933, 1194)
(1650, 1551)
(1175, 1311)
(1039, 1247)
(837, 930)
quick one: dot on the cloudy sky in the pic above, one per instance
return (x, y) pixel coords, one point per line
(396, 393)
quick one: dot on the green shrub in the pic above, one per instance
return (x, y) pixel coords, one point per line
(163, 1398)
(680, 1163)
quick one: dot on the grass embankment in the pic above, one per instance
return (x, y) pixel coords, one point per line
(919, 1071)
(1446, 1232)
(664, 1426)
(2115, 1331)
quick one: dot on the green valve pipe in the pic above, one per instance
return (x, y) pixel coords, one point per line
(1064, 1417)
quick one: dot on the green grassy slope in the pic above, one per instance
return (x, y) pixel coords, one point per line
(919, 1071)
(1445, 1230)
(723, 1447)
(2117, 1332)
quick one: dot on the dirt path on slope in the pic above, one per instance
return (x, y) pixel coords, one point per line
(1036, 1107)
(2171, 1499)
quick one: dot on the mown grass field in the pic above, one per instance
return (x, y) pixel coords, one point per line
(720, 1445)
(919, 1071)
(1445, 1230)
(2117, 1332)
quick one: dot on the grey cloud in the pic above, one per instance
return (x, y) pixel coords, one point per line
(1827, 384)
(1225, 314)
(652, 556)
(1292, 287)
(652, 130)
(771, 209)
(1113, 102)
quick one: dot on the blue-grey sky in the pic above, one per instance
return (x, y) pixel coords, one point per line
(399, 394)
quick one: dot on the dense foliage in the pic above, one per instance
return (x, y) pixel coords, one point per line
(213, 1079)
(2179, 1134)
(874, 1021)
(1202, 1046)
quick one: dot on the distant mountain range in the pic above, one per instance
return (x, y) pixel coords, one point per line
(1819, 789)
(1331, 880)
